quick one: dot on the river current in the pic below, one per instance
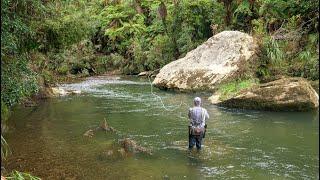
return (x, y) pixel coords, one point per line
(47, 140)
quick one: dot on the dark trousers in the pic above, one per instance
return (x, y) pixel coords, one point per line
(195, 140)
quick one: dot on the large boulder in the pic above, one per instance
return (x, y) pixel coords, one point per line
(287, 94)
(221, 57)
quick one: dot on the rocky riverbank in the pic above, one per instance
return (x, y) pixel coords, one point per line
(286, 94)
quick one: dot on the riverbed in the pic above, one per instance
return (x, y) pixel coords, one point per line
(47, 140)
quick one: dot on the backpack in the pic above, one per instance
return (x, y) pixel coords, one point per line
(198, 130)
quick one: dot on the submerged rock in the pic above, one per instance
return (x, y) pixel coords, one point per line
(123, 149)
(221, 57)
(130, 146)
(89, 133)
(287, 94)
(113, 154)
(103, 126)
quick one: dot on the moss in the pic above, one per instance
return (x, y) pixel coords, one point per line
(232, 88)
(279, 95)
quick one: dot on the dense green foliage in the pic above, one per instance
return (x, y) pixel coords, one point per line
(18, 81)
(149, 34)
(32, 34)
(290, 39)
(48, 39)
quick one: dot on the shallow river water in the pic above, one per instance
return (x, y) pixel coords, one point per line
(48, 140)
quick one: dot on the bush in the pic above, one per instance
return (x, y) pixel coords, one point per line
(117, 60)
(161, 52)
(18, 81)
(272, 59)
(48, 77)
(17, 29)
(71, 23)
(63, 70)
(102, 64)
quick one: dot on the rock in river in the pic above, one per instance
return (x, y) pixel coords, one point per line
(49, 92)
(287, 94)
(103, 126)
(130, 146)
(221, 57)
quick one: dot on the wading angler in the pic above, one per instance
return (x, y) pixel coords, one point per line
(197, 127)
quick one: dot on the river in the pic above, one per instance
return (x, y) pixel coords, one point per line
(48, 140)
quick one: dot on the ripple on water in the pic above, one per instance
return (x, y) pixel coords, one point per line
(213, 171)
(92, 82)
(94, 87)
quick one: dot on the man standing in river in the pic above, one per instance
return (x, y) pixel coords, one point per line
(197, 117)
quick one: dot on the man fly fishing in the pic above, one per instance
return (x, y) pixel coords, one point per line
(197, 127)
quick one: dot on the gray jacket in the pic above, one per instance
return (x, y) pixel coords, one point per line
(198, 116)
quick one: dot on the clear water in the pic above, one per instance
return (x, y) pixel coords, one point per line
(48, 140)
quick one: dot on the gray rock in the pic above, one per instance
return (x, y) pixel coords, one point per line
(144, 73)
(287, 94)
(220, 58)
(149, 73)
(104, 126)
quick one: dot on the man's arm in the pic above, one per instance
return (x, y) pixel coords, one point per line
(204, 117)
(207, 115)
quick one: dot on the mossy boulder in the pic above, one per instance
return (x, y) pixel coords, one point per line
(287, 94)
(222, 57)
